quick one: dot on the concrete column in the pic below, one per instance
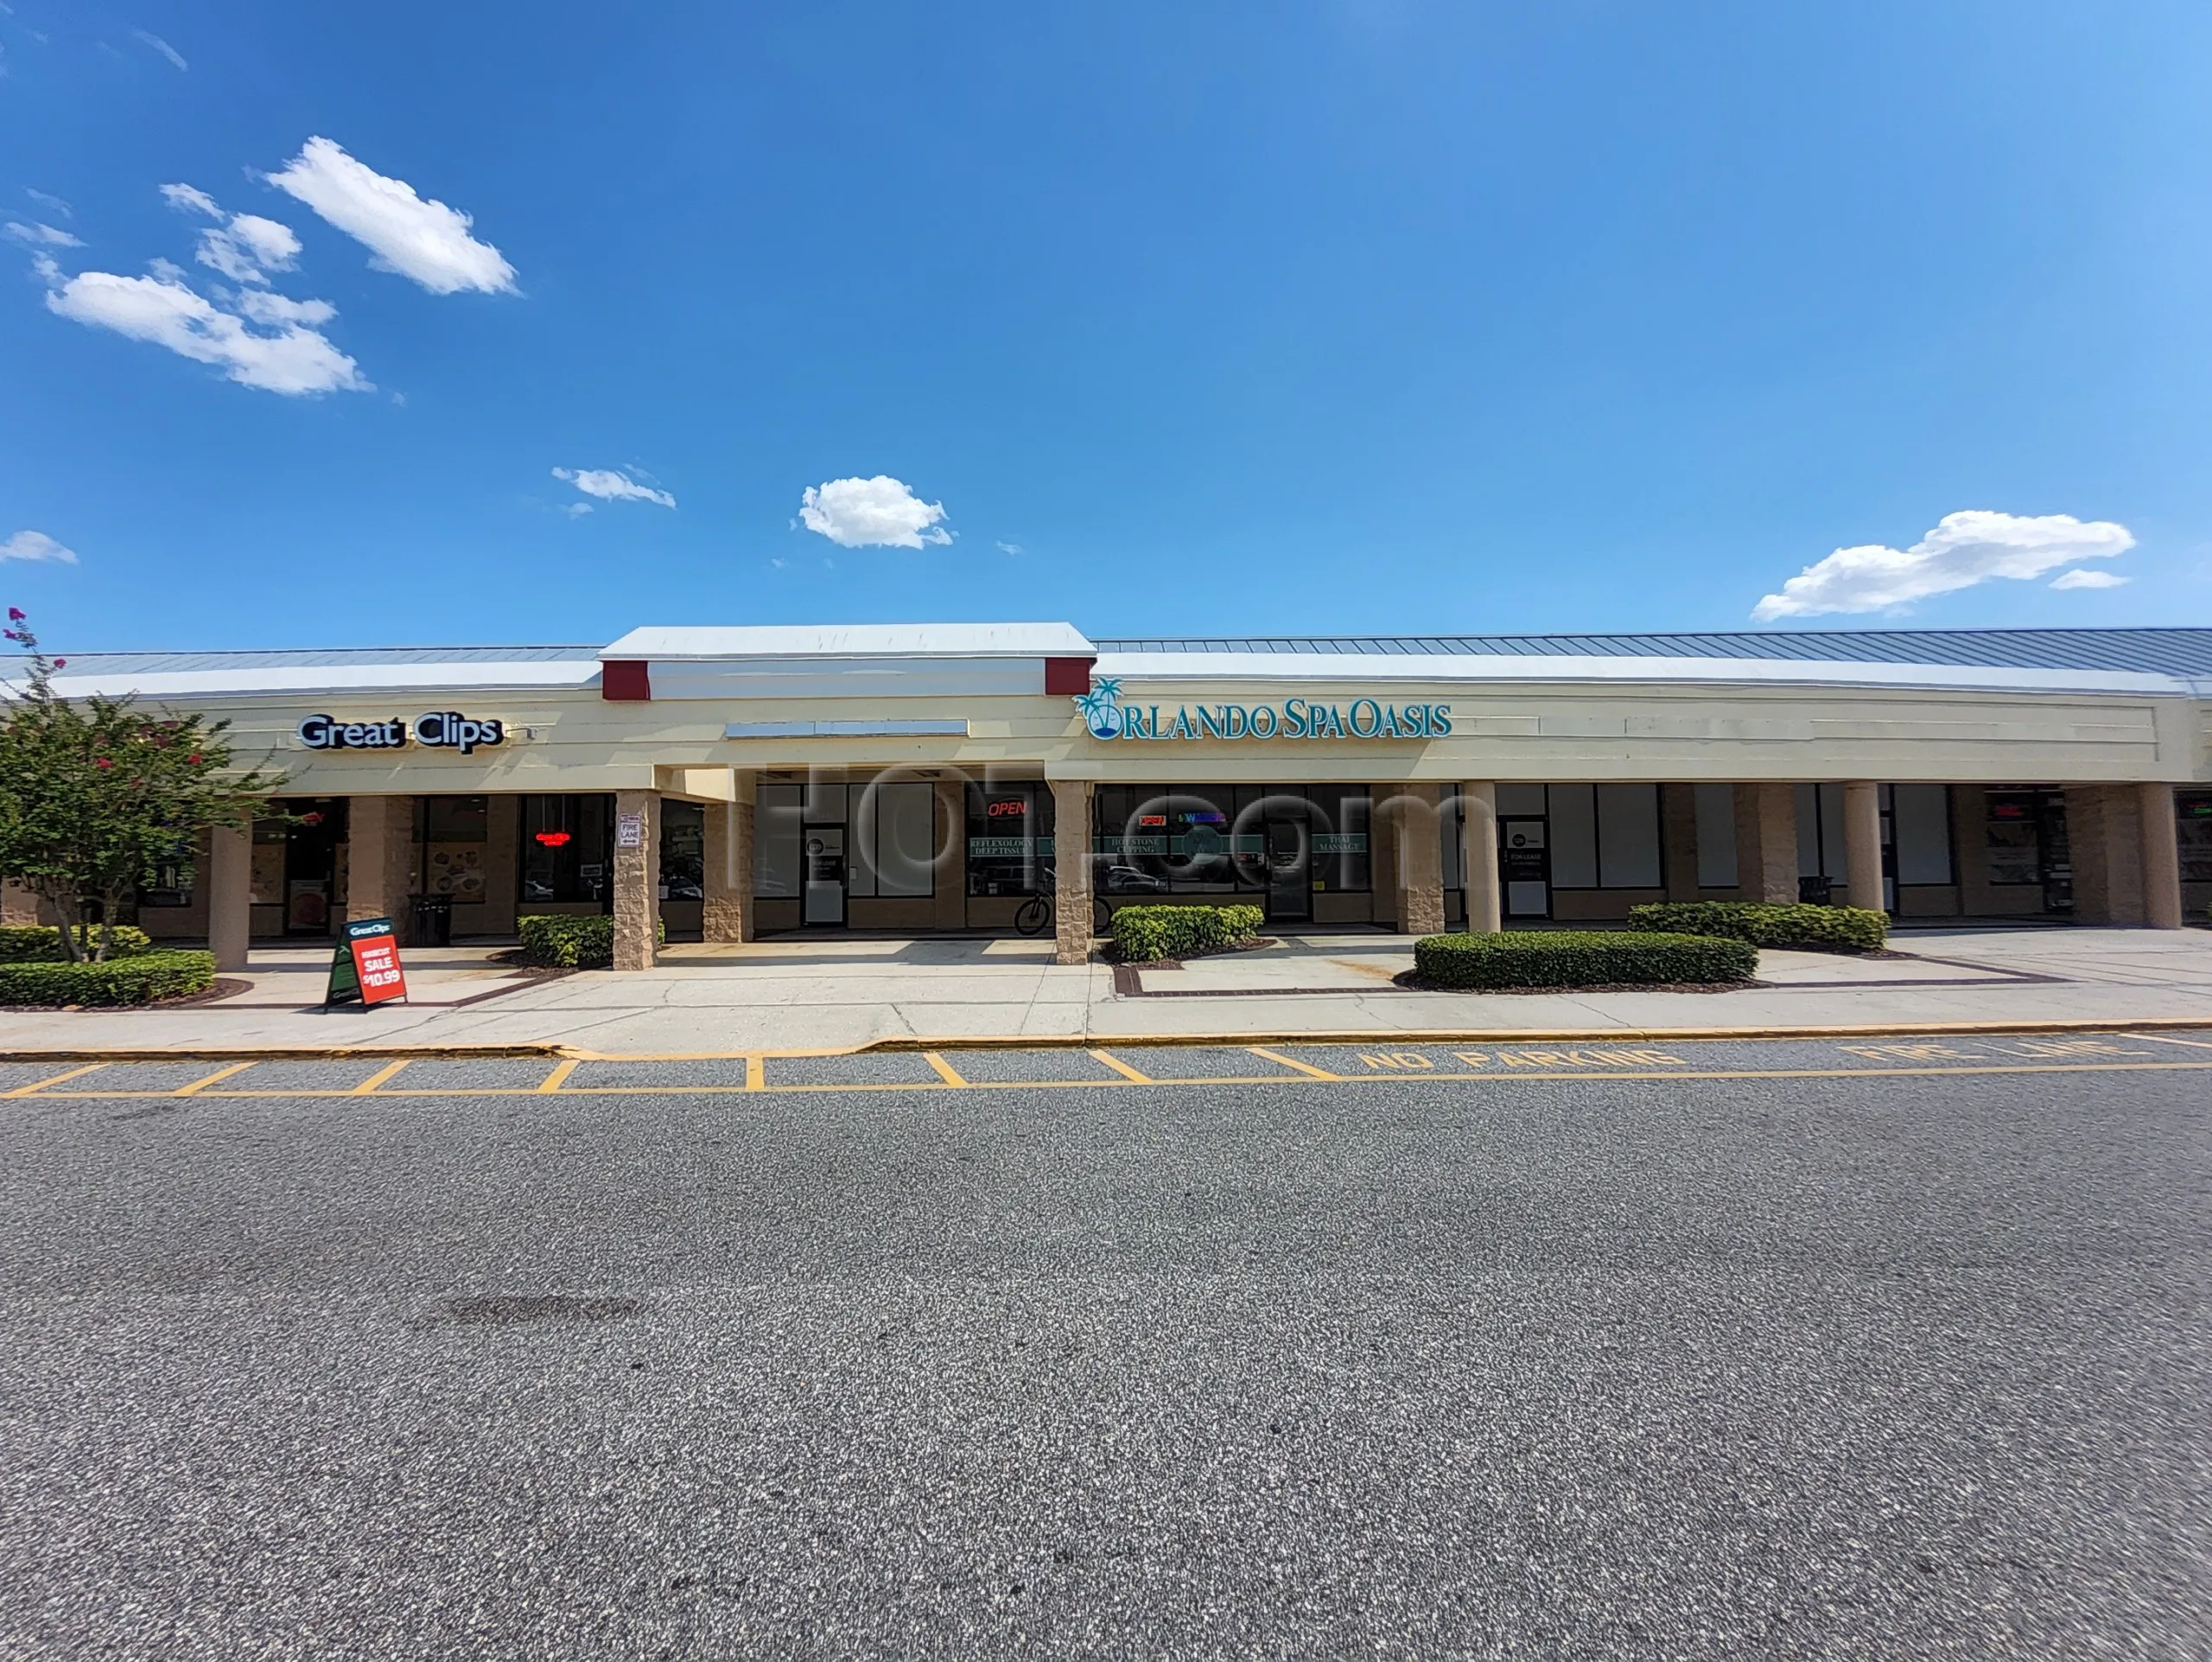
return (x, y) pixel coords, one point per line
(1071, 864)
(2105, 843)
(949, 879)
(2162, 907)
(230, 894)
(1862, 844)
(1479, 856)
(502, 855)
(1420, 860)
(726, 911)
(1678, 839)
(1766, 842)
(637, 882)
(380, 859)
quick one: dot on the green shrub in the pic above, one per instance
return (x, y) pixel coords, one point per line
(586, 943)
(1143, 933)
(1813, 928)
(40, 943)
(1580, 958)
(139, 979)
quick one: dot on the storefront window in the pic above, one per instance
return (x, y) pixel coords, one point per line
(568, 850)
(683, 848)
(452, 831)
(2193, 828)
(1223, 839)
(170, 883)
(1010, 837)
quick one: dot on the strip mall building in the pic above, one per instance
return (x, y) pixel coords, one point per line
(727, 783)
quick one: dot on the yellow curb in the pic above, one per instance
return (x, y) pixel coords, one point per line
(548, 1050)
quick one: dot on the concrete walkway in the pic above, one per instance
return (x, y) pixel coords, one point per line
(835, 994)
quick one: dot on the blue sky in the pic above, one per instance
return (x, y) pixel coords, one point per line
(1319, 318)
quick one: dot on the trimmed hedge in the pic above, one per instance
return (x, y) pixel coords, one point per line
(1143, 933)
(1810, 928)
(139, 979)
(586, 943)
(1581, 959)
(28, 943)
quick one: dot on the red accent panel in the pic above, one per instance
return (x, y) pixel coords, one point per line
(626, 682)
(1068, 676)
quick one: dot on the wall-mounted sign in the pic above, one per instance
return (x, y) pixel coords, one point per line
(1109, 715)
(438, 730)
(629, 830)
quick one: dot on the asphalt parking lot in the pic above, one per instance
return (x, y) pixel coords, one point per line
(1806, 1348)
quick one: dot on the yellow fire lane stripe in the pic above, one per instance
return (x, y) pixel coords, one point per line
(2161, 1039)
(198, 1086)
(368, 1087)
(756, 1074)
(554, 1080)
(1123, 1068)
(942, 1068)
(53, 1079)
(1267, 1055)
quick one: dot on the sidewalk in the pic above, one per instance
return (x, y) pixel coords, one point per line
(841, 995)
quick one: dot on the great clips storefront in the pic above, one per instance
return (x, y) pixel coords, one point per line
(729, 783)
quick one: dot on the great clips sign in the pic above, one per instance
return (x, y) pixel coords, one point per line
(1109, 715)
(440, 730)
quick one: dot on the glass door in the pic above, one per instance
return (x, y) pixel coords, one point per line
(1524, 866)
(1290, 880)
(824, 847)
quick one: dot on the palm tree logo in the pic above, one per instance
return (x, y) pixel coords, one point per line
(1102, 712)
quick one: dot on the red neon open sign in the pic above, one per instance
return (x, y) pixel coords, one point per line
(552, 839)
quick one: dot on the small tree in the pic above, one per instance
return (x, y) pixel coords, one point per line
(94, 792)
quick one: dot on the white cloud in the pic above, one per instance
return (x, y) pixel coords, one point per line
(611, 486)
(41, 235)
(872, 512)
(1009, 548)
(2080, 578)
(275, 352)
(160, 46)
(37, 545)
(46, 200)
(1964, 550)
(426, 241)
(244, 247)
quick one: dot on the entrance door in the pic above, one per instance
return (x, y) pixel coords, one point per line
(1290, 877)
(1524, 867)
(311, 865)
(825, 849)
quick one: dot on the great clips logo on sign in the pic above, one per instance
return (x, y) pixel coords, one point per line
(1108, 716)
(440, 730)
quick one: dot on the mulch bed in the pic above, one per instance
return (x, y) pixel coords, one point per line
(1413, 982)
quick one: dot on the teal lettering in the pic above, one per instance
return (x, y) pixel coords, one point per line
(1294, 718)
(1374, 721)
(1183, 725)
(1439, 720)
(1416, 721)
(1268, 731)
(1389, 722)
(1233, 721)
(1207, 724)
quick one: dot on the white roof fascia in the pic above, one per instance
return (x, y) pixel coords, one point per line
(1348, 670)
(332, 679)
(854, 640)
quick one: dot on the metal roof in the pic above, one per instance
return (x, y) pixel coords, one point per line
(317, 658)
(2169, 652)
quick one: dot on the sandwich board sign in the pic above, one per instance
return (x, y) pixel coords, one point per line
(366, 968)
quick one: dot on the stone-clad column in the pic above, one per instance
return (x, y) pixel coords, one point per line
(725, 908)
(637, 880)
(1862, 844)
(1478, 857)
(2105, 844)
(230, 894)
(2161, 906)
(1766, 842)
(1421, 861)
(1678, 840)
(380, 860)
(1071, 868)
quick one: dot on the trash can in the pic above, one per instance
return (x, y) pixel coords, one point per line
(1816, 891)
(430, 920)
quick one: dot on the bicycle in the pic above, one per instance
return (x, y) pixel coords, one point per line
(1037, 915)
